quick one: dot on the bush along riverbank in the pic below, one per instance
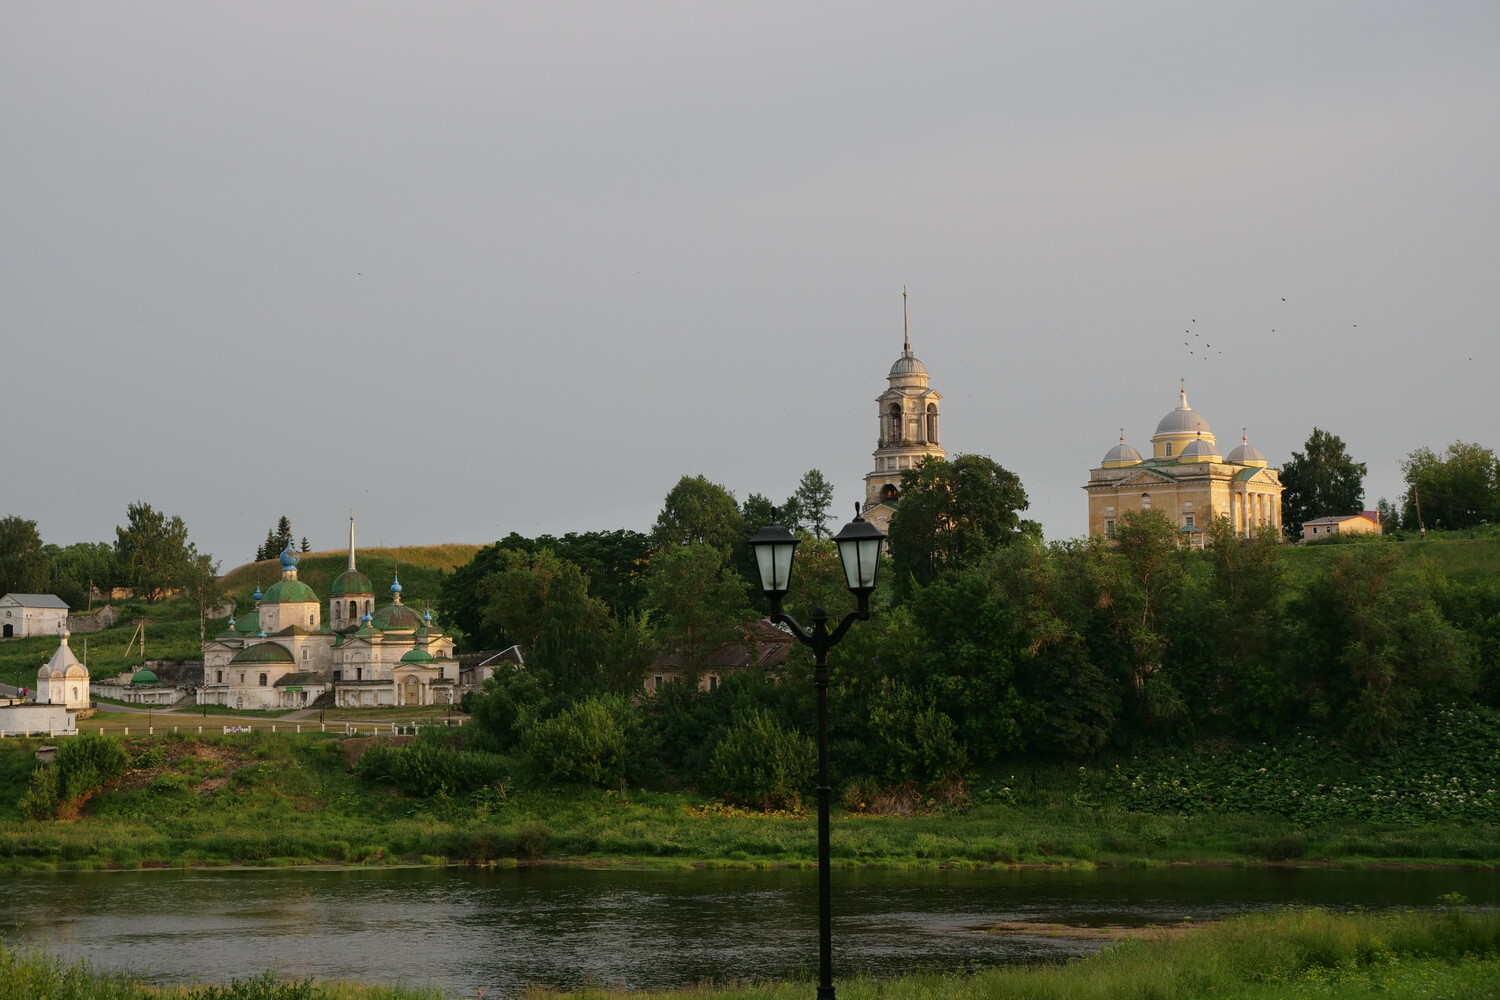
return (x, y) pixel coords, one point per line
(268, 799)
(1280, 956)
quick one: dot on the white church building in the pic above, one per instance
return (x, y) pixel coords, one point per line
(287, 654)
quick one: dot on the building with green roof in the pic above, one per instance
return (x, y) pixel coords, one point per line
(289, 651)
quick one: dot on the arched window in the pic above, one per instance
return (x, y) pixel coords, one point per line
(894, 435)
(353, 610)
(1145, 501)
(932, 433)
(1169, 449)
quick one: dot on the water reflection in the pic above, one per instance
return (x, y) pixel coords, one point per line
(464, 929)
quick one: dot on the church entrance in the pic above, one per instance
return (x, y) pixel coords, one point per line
(10, 630)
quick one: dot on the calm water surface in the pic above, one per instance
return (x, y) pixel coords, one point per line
(465, 929)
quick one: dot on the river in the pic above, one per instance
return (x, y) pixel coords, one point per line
(500, 929)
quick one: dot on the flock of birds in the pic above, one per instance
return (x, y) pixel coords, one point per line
(1206, 347)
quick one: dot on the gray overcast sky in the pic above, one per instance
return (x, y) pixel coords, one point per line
(472, 268)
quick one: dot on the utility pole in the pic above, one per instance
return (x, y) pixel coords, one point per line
(1421, 525)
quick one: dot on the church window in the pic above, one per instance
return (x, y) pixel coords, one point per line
(713, 682)
(895, 434)
(1145, 501)
(353, 610)
(304, 654)
(367, 607)
(262, 680)
(656, 683)
(932, 433)
(242, 677)
(1109, 528)
(310, 620)
(218, 677)
(1169, 449)
(359, 673)
(1187, 520)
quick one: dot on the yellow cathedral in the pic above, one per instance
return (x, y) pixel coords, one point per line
(1187, 479)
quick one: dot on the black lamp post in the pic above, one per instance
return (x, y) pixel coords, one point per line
(859, 551)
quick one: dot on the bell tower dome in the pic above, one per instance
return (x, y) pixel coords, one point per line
(907, 429)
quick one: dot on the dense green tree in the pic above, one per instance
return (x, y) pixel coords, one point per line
(951, 513)
(1373, 650)
(277, 540)
(78, 567)
(757, 512)
(1241, 628)
(153, 551)
(760, 762)
(23, 563)
(614, 562)
(1322, 481)
(1455, 489)
(1072, 701)
(542, 602)
(698, 602)
(812, 501)
(696, 510)
(1140, 584)
(587, 743)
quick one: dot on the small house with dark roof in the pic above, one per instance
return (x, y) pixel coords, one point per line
(762, 647)
(23, 615)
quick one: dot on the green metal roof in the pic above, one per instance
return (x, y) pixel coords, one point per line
(289, 592)
(144, 676)
(264, 652)
(396, 616)
(351, 582)
(417, 656)
(248, 623)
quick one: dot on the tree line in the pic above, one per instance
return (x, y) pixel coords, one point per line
(987, 643)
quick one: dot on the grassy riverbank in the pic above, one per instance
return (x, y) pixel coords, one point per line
(266, 799)
(1282, 956)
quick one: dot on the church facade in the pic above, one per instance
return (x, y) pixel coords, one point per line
(286, 653)
(1186, 478)
(907, 417)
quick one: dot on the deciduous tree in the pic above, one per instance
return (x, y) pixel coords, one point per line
(1322, 481)
(696, 510)
(1455, 489)
(23, 563)
(952, 512)
(153, 551)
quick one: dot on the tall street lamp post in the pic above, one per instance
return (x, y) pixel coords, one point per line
(859, 551)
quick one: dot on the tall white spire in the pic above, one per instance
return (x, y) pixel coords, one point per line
(905, 325)
(351, 541)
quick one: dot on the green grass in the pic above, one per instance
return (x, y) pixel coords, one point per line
(1289, 955)
(264, 798)
(422, 568)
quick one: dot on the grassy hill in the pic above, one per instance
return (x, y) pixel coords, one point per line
(422, 568)
(1457, 557)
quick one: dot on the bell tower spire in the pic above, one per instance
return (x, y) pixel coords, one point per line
(907, 422)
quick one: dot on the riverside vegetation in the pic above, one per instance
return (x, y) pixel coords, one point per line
(278, 799)
(1291, 955)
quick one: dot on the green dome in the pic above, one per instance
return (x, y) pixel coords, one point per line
(351, 582)
(144, 676)
(418, 655)
(264, 652)
(396, 616)
(289, 592)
